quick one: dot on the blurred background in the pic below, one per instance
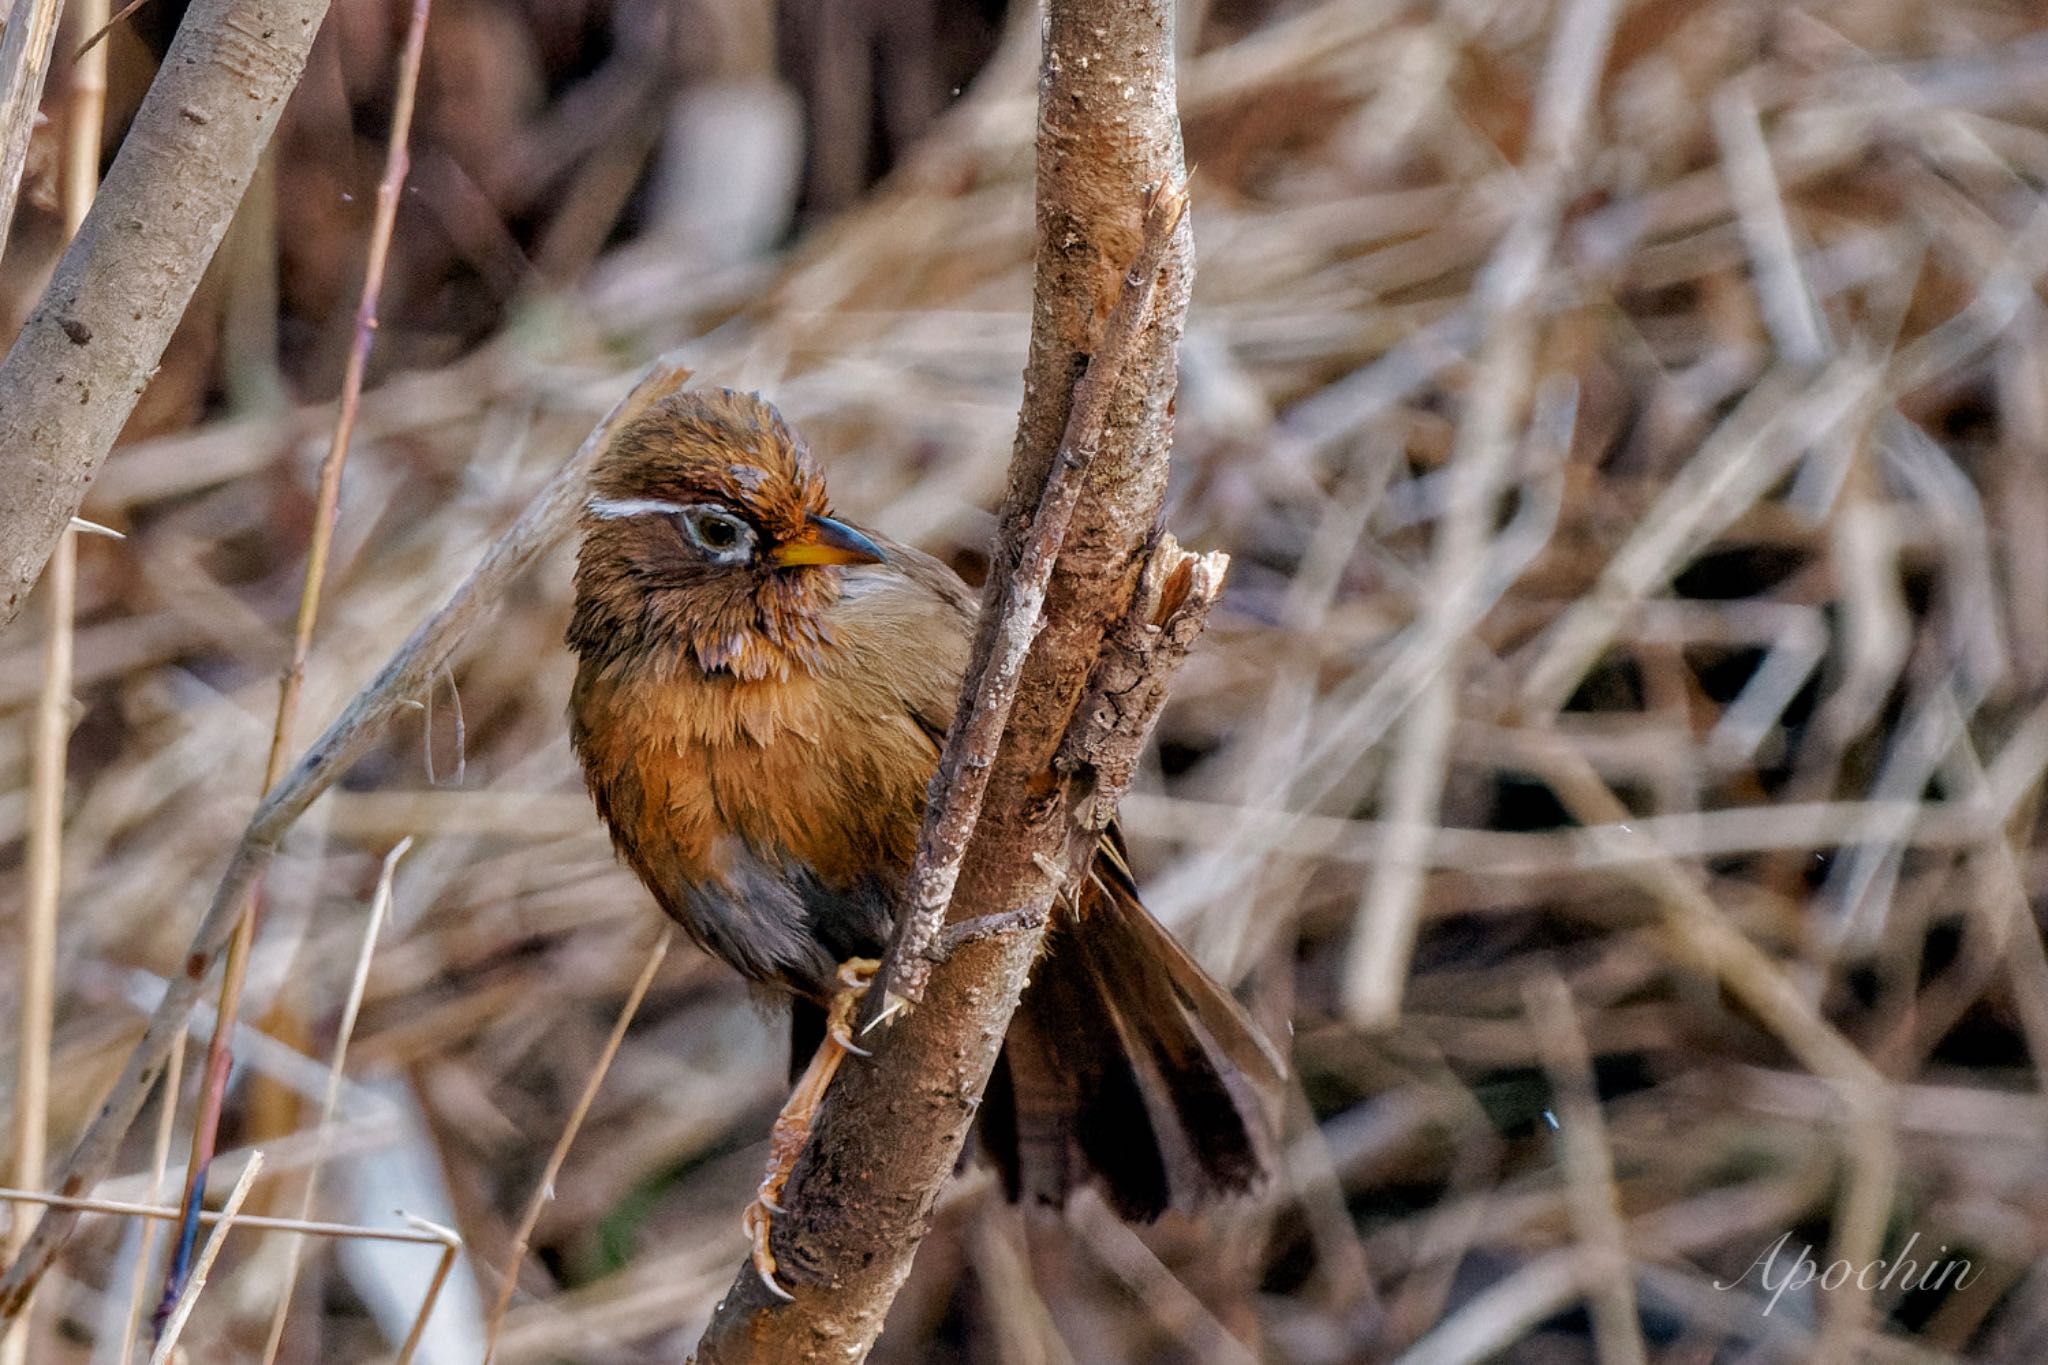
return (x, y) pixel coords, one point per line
(1616, 758)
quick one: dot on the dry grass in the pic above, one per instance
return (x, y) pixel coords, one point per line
(1632, 470)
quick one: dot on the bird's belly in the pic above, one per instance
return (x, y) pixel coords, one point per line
(777, 921)
(782, 853)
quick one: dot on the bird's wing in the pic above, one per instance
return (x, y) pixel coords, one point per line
(914, 619)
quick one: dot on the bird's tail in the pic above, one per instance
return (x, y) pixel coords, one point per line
(1129, 1067)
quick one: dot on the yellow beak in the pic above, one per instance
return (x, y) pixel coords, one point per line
(826, 541)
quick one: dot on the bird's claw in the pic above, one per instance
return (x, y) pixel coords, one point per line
(858, 973)
(892, 1005)
(793, 1124)
(843, 1036)
(759, 1222)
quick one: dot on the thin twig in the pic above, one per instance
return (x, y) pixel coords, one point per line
(85, 109)
(165, 1213)
(159, 1169)
(174, 1325)
(94, 39)
(970, 751)
(380, 907)
(45, 860)
(544, 1188)
(213, 1095)
(449, 1251)
(1595, 1205)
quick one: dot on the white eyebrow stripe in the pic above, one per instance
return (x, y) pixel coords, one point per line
(617, 509)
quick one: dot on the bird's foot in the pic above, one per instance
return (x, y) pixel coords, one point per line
(856, 974)
(759, 1222)
(793, 1125)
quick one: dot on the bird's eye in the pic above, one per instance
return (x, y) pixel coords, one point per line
(719, 534)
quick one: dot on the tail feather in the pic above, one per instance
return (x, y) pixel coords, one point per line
(1127, 1066)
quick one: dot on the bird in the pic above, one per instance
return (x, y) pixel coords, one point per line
(762, 691)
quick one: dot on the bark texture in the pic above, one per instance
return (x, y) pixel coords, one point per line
(888, 1137)
(90, 347)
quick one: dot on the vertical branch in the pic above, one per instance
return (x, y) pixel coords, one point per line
(971, 748)
(85, 113)
(888, 1136)
(45, 858)
(206, 1122)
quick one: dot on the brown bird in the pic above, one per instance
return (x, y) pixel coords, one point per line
(760, 698)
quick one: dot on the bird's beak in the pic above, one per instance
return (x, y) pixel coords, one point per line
(825, 541)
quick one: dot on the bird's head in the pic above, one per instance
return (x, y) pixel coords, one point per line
(708, 542)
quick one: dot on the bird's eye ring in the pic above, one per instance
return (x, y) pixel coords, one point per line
(719, 534)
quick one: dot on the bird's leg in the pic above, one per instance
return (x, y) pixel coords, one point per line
(793, 1125)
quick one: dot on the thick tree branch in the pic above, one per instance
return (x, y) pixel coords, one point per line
(89, 349)
(889, 1134)
(971, 748)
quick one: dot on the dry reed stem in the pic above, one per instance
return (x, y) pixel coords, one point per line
(421, 1233)
(407, 673)
(1181, 1314)
(1466, 551)
(84, 114)
(1494, 1319)
(26, 40)
(380, 908)
(188, 1296)
(451, 1248)
(425, 1235)
(544, 1188)
(213, 1094)
(45, 866)
(1799, 330)
(1595, 1203)
(159, 1167)
(1779, 421)
(1703, 933)
(2001, 800)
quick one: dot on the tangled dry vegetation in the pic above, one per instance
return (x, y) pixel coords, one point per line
(1616, 754)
